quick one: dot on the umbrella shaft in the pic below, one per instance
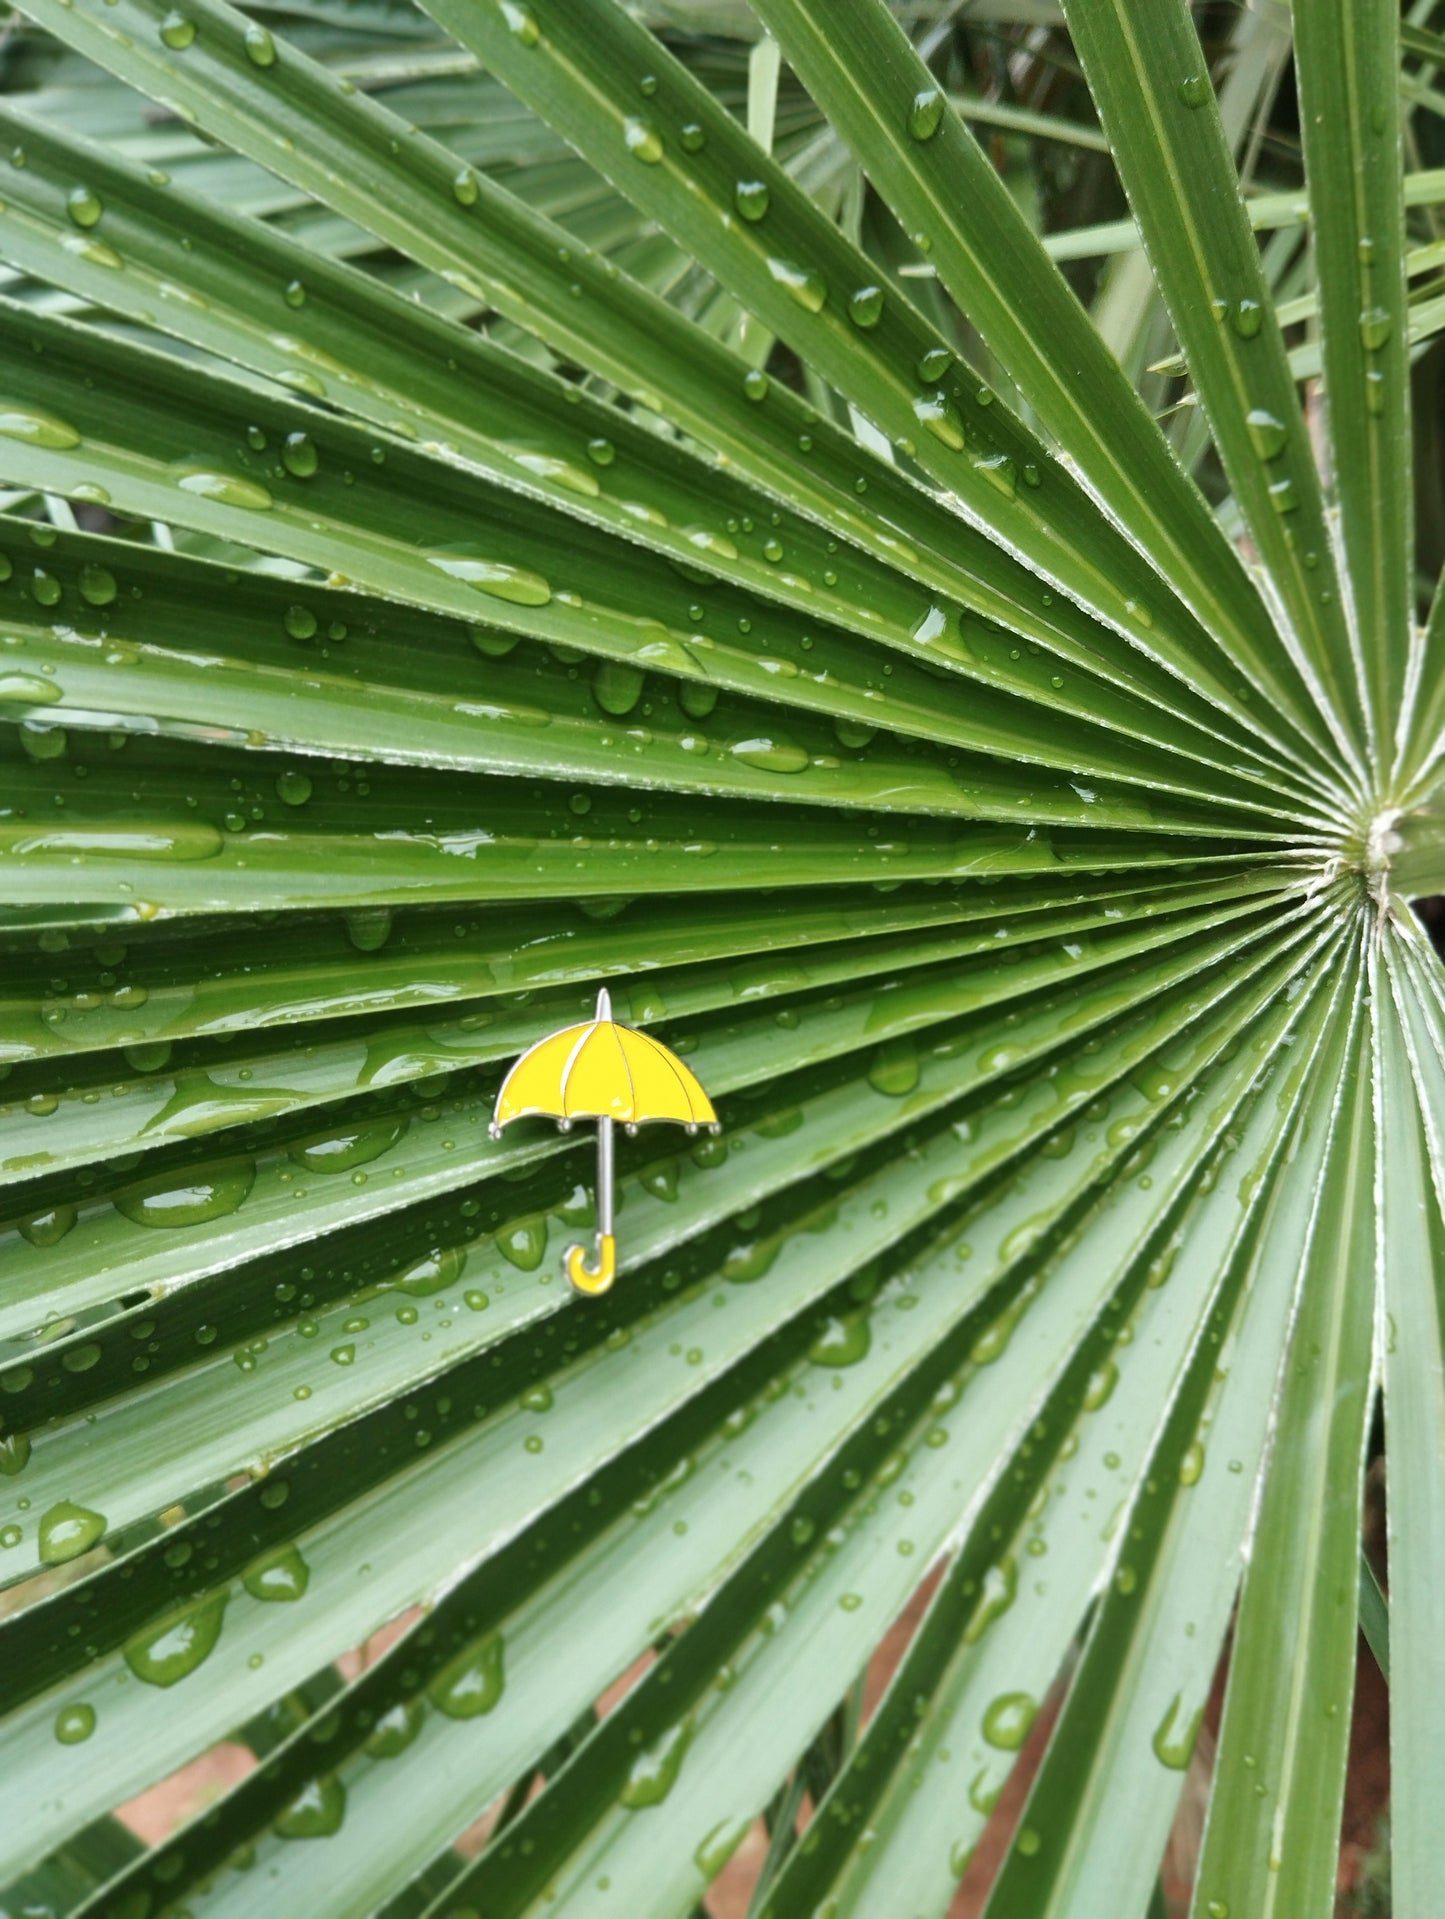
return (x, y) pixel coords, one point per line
(604, 1177)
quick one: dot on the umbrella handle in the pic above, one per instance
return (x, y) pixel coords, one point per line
(593, 1279)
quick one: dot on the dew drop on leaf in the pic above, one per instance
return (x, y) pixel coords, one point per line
(472, 1683)
(293, 787)
(653, 1773)
(181, 1199)
(926, 113)
(643, 140)
(513, 583)
(771, 755)
(752, 198)
(1007, 1720)
(166, 1653)
(97, 585)
(37, 429)
(865, 307)
(260, 47)
(281, 1574)
(803, 284)
(617, 687)
(68, 1530)
(84, 206)
(225, 488)
(520, 22)
(844, 1340)
(1267, 434)
(299, 455)
(316, 1812)
(1376, 326)
(74, 1724)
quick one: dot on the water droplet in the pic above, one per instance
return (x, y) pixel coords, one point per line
(693, 137)
(926, 113)
(67, 1531)
(293, 787)
(14, 1454)
(643, 140)
(180, 1199)
(1000, 1584)
(368, 927)
(752, 198)
(316, 1812)
(999, 470)
(49, 1227)
(1282, 496)
(803, 284)
(1246, 317)
(433, 1272)
(1174, 1736)
(654, 1771)
(73, 1724)
(770, 756)
(1192, 1464)
(844, 1340)
(166, 1653)
(227, 489)
(719, 1846)
(28, 689)
(1194, 91)
(37, 429)
(355, 1146)
(300, 622)
(755, 384)
(503, 582)
(1007, 1720)
(395, 1730)
(299, 455)
(83, 206)
(1028, 1841)
(938, 413)
(894, 1067)
(97, 585)
(865, 307)
(177, 31)
(1267, 433)
(520, 22)
(260, 47)
(279, 1574)
(601, 451)
(1102, 1382)
(1376, 326)
(524, 1242)
(472, 1683)
(617, 687)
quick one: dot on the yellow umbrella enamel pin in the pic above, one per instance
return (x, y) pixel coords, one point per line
(600, 1070)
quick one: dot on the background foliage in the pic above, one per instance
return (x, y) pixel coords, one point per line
(909, 549)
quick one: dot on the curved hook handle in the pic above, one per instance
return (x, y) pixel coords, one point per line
(593, 1279)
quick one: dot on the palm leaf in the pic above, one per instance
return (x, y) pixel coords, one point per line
(462, 547)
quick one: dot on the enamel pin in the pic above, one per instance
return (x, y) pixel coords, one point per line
(600, 1070)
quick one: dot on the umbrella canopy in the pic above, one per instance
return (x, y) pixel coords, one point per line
(599, 1070)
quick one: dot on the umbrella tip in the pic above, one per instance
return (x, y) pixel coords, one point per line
(604, 1003)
